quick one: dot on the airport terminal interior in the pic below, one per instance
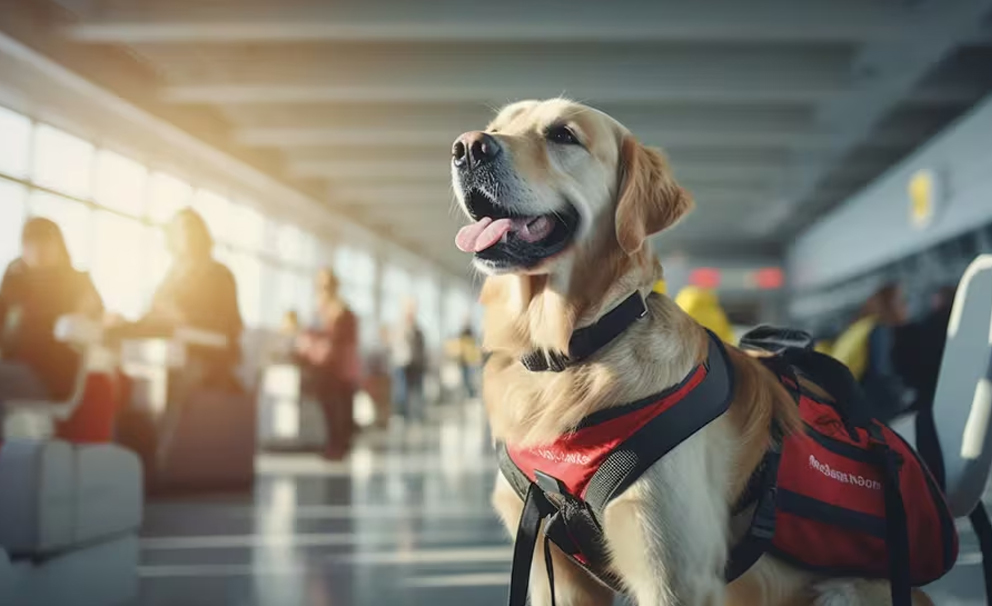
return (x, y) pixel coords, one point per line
(242, 342)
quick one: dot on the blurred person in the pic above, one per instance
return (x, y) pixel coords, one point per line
(330, 356)
(409, 357)
(867, 347)
(198, 292)
(704, 307)
(469, 358)
(378, 382)
(37, 289)
(919, 349)
(290, 324)
(283, 345)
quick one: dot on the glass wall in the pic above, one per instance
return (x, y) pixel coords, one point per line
(111, 209)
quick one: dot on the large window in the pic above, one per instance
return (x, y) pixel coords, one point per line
(166, 195)
(12, 198)
(119, 262)
(120, 183)
(111, 209)
(397, 289)
(62, 162)
(428, 308)
(14, 143)
(216, 211)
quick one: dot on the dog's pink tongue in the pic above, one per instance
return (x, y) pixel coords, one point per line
(482, 234)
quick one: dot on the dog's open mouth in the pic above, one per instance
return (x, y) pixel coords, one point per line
(506, 239)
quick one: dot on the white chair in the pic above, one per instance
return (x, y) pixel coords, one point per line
(36, 418)
(963, 401)
(962, 407)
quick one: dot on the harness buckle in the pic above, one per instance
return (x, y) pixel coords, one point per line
(549, 484)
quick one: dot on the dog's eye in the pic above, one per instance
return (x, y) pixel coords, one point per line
(562, 135)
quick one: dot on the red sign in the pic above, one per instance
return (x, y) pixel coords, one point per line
(769, 278)
(705, 277)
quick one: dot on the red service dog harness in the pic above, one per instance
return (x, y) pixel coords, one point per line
(829, 499)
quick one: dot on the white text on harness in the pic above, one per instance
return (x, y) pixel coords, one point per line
(569, 458)
(843, 477)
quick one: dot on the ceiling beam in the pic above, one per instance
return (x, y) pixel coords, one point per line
(508, 21)
(889, 71)
(639, 89)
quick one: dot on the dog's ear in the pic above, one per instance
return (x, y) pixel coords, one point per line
(649, 200)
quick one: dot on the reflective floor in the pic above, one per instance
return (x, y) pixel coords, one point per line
(405, 522)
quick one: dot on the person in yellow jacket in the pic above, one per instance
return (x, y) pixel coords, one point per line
(704, 307)
(465, 350)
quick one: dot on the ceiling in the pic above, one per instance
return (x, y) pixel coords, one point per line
(772, 111)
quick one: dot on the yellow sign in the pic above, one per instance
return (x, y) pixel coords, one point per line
(924, 197)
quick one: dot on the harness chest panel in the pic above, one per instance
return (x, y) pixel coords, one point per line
(575, 457)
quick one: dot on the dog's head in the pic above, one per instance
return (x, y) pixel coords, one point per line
(551, 184)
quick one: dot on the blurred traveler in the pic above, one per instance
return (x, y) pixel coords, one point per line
(282, 346)
(919, 347)
(867, 348)
(409, 357)
(331, 363)
(37, 288)
(198, 292)
(290, 324)
(469, 358)
(704, 307)
(378, 383)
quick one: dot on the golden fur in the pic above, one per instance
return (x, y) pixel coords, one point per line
(668, 534)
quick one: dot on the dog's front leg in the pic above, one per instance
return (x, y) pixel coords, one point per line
(573, 587)
(668, 532)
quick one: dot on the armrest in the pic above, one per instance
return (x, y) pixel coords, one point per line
(188, 335)
(84, 334)
(78, 330)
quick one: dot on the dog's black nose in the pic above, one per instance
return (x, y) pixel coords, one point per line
(473, 149)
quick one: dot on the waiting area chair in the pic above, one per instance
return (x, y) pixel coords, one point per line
(962, 409)
(69, 513)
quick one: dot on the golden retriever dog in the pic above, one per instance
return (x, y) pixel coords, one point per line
(563, 199)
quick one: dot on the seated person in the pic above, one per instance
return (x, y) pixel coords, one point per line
(197, 292)
(37, 289)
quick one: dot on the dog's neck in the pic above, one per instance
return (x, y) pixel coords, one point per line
(524, 313)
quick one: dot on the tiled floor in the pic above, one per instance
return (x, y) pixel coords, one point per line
(405, 522)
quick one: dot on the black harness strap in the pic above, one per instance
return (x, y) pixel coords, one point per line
(761, 530)
(896, 526)
(588, 340)
(536, 508)
(706, 402)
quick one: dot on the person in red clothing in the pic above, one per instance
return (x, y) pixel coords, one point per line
(37, 289)
(329, 355)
